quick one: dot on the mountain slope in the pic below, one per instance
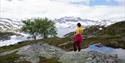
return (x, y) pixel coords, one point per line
(112, 35)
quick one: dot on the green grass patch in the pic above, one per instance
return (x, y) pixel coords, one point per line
(10, 58)
(57, 41)
(51, 60)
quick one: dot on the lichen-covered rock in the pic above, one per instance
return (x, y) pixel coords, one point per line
(33, 52)
(87, 57)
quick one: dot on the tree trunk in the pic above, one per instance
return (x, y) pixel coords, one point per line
(34, 36)
(45, 36)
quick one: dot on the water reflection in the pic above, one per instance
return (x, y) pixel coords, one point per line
(108, 50)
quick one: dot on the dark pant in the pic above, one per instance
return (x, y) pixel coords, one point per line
(76, 45)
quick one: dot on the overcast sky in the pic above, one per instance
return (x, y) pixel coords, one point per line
(86, 9)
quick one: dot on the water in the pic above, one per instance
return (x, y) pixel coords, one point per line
(14, 39)
(103, 49)
(108, 50)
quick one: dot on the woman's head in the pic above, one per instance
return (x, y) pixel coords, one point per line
(78, 24)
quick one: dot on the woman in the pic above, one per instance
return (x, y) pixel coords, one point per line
(77, 38)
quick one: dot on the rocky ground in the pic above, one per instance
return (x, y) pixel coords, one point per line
(32, 53)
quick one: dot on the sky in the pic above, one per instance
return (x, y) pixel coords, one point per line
(86, 9)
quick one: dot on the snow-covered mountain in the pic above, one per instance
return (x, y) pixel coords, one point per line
(64, 25)
(7, 24)
(72, 21)
(68, 24)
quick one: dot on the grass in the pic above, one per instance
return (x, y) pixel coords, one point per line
(57, 41)
(11, 58)
(23, 62)
(68, 47)
(104, 36)
(51, 60)
(112, 35)
(51, 41)
(111, 42)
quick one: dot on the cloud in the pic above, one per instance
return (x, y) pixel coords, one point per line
(58, 8)
(122, 2)
(73, 1)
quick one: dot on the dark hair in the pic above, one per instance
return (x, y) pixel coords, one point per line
(78, 24)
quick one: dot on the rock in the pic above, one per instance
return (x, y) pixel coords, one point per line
(8, 52)
(87, 57)
(33, 52)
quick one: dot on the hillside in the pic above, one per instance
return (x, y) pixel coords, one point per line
(42, 52)
(113, 35)
(116, 29)
(59, 50)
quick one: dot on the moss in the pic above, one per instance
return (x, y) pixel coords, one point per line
(55, 41)
(51, 60)
(23, 62)
(9, 58)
